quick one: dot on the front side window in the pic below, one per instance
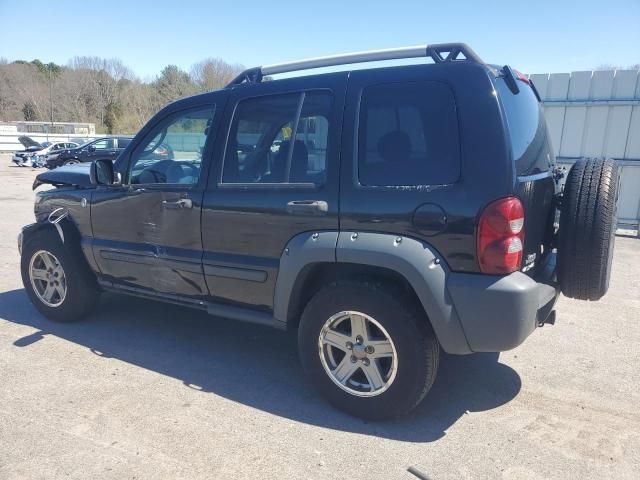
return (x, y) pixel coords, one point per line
(279, 139)
(408, 135)
(172, 152)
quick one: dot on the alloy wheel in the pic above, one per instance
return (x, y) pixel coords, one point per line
(47, 278)
(358, 354)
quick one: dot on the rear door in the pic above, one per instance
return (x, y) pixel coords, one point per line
(277, 177)
(100, 149)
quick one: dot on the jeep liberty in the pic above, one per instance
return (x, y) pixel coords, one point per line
(387, 214)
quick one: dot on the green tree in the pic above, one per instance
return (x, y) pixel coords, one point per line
(44, 68)
(173, 83)
(112, 114)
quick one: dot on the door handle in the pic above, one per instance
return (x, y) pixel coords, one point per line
(178, 204)
(308, 207)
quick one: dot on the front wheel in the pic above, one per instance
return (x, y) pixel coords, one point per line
(56, 281)
(368, 351)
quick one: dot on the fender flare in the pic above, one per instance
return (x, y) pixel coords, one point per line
(416, 261)
(301, 252)
(68, 234)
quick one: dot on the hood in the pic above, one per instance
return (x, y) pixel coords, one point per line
(76, 175)
(28, 142)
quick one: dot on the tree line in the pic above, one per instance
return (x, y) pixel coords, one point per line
(100, 91)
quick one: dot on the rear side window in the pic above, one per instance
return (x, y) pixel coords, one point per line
(104, 144)
(279, 139)
(528, 136)
(408, 135)
(123, 142)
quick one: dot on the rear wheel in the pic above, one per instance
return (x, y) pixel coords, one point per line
(72, 161)
(56, 281)
(366, 350)
(587, 228)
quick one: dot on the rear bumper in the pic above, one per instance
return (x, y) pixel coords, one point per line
(499, 313)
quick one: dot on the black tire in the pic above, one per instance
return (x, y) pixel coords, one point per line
(587, 228)
(71, 161)
(415, 343)
(81, 290)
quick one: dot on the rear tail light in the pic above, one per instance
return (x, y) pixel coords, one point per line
(522, 77)
(501, 236)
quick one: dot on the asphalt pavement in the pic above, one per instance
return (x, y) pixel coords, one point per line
(144, 390)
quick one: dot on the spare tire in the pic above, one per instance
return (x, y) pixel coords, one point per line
(587, 228)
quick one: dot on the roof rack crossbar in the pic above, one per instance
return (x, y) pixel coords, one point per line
(441, 52)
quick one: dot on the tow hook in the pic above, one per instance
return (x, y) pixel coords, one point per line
(55, 217)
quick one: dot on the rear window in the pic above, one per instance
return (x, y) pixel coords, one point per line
(528, 136)
(408, 135)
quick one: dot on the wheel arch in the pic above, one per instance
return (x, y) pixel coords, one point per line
(71, 240)
(312, 260)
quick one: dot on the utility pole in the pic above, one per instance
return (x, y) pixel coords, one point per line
(50, 99)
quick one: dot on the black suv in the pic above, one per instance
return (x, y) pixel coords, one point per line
(387, 214)
(107, 148)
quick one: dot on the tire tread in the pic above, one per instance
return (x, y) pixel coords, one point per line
(587, 228)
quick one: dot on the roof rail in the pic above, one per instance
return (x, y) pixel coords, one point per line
(440, 53)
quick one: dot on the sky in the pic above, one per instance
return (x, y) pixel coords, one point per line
(537, 36)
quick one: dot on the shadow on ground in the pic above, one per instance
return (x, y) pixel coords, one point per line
(257, 366)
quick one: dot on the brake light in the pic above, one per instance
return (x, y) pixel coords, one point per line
(522, 77)
(501, 236)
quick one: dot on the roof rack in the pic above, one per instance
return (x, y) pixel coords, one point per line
(440, 53)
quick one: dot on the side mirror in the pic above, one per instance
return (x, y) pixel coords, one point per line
(92, 148)
(101, 172)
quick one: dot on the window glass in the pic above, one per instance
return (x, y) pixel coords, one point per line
(103, 144)
(123, 142)
(408, 135)
(263, 148)
(528, 136)
(172, 152)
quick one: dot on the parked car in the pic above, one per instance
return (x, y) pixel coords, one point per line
(56, 150)
(34, 152)
(107, 148)
(420, 219)
(30, 146)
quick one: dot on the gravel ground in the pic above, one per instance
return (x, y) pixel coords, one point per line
(146, 390)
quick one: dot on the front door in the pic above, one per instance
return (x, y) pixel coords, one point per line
(277, 176)
(147, 231)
